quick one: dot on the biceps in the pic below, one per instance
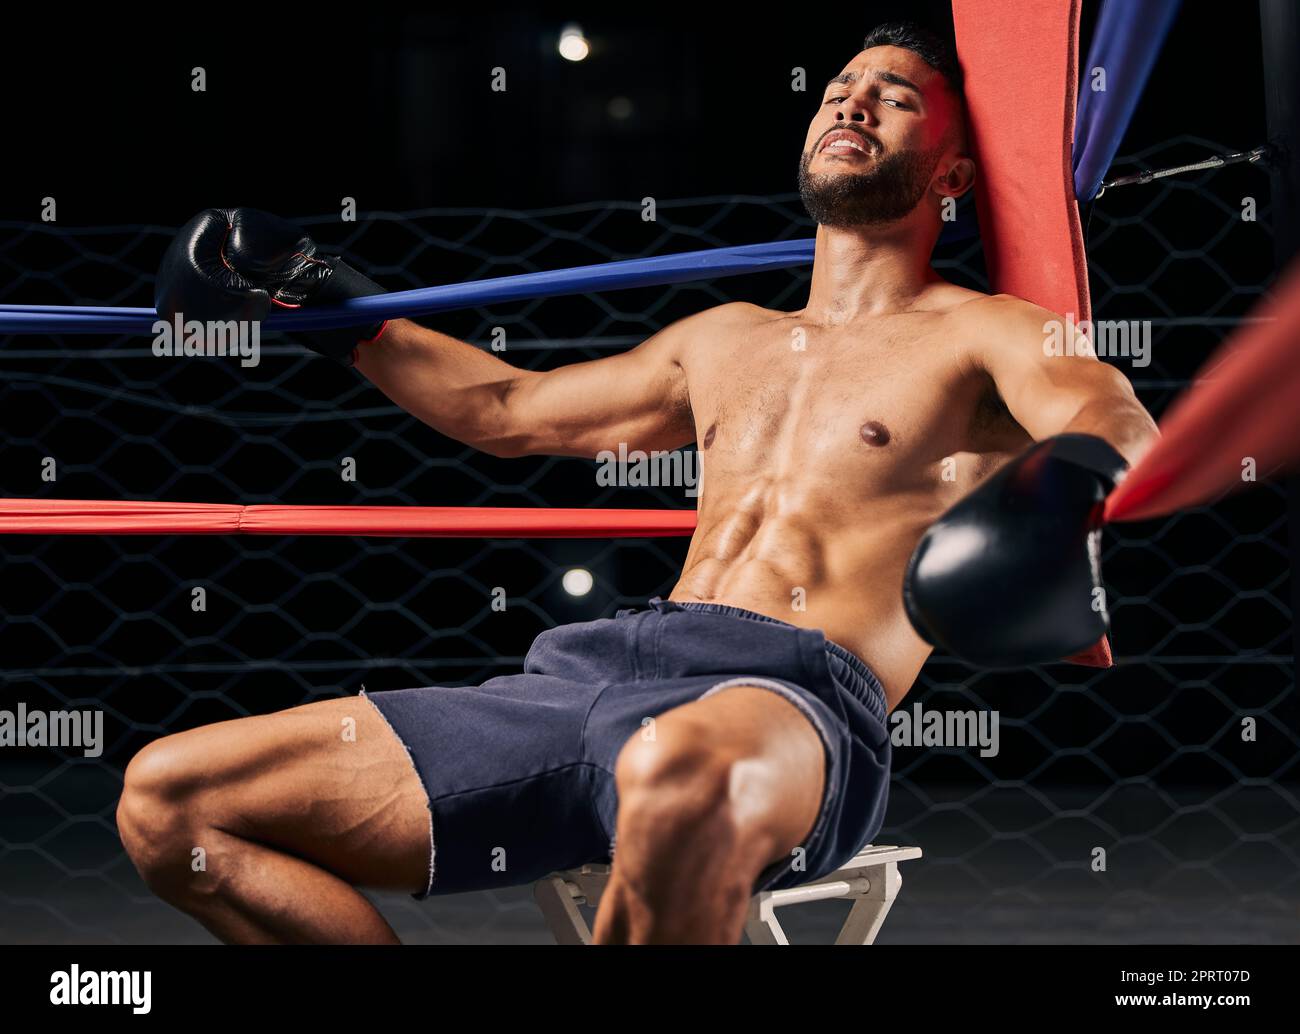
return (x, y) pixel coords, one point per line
(1045, 394)
(582, 409)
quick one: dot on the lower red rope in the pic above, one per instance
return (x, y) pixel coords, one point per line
(112, 517)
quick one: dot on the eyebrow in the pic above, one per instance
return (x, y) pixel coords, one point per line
(848, 78)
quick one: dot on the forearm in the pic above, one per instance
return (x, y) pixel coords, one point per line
(1122, 422)
(455, 388)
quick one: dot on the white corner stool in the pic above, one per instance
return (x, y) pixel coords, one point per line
(871, 881)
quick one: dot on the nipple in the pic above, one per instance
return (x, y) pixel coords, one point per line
(875, 433)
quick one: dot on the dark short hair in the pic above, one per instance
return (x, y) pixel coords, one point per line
(935, 51)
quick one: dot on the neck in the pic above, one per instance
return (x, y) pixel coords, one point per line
(868, 271)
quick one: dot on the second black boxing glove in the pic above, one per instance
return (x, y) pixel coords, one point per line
(1011, 575)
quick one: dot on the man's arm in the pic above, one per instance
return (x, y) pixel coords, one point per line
(638, 396)
(1010, 574)
(237, 263)
(1056, 394)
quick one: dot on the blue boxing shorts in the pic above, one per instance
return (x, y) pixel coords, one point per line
(520, 770)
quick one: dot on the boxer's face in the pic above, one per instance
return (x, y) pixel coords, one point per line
(887, 133)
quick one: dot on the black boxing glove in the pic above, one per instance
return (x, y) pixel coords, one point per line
(236, 263)
(1011, 574)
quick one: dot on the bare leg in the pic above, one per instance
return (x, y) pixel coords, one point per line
(260, 827)
(730, 784)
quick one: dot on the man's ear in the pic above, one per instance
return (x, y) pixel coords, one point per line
(958, 179)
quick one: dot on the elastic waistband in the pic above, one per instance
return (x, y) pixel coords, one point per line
(855, 663)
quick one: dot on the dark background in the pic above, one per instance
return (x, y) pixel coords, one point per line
(394, 109)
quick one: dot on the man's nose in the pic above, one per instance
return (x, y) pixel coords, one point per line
(853, 112)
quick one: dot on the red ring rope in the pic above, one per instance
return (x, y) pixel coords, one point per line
(112, 517)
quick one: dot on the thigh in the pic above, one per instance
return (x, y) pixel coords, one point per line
(327, 781)
(503, 766)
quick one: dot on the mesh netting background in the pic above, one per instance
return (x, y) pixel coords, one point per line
(1146, 760)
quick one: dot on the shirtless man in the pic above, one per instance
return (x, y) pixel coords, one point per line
(729, 738)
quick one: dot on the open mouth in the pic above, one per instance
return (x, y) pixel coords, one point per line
(844, 142)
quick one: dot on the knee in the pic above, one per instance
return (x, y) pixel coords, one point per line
(680, 784)
(156, 815)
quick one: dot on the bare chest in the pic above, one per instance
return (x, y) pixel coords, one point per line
(839, 406)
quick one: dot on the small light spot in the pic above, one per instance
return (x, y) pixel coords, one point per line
(577, 581)
(573, 44)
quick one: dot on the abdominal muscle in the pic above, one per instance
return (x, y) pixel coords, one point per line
(829, 573)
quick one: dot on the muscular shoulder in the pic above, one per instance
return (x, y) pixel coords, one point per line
(1003, 311)
(730, 316)
(736, 315)
(689, 348)
(720, 328)
(997, 325)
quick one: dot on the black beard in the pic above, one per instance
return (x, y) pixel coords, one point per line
(886, 193)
